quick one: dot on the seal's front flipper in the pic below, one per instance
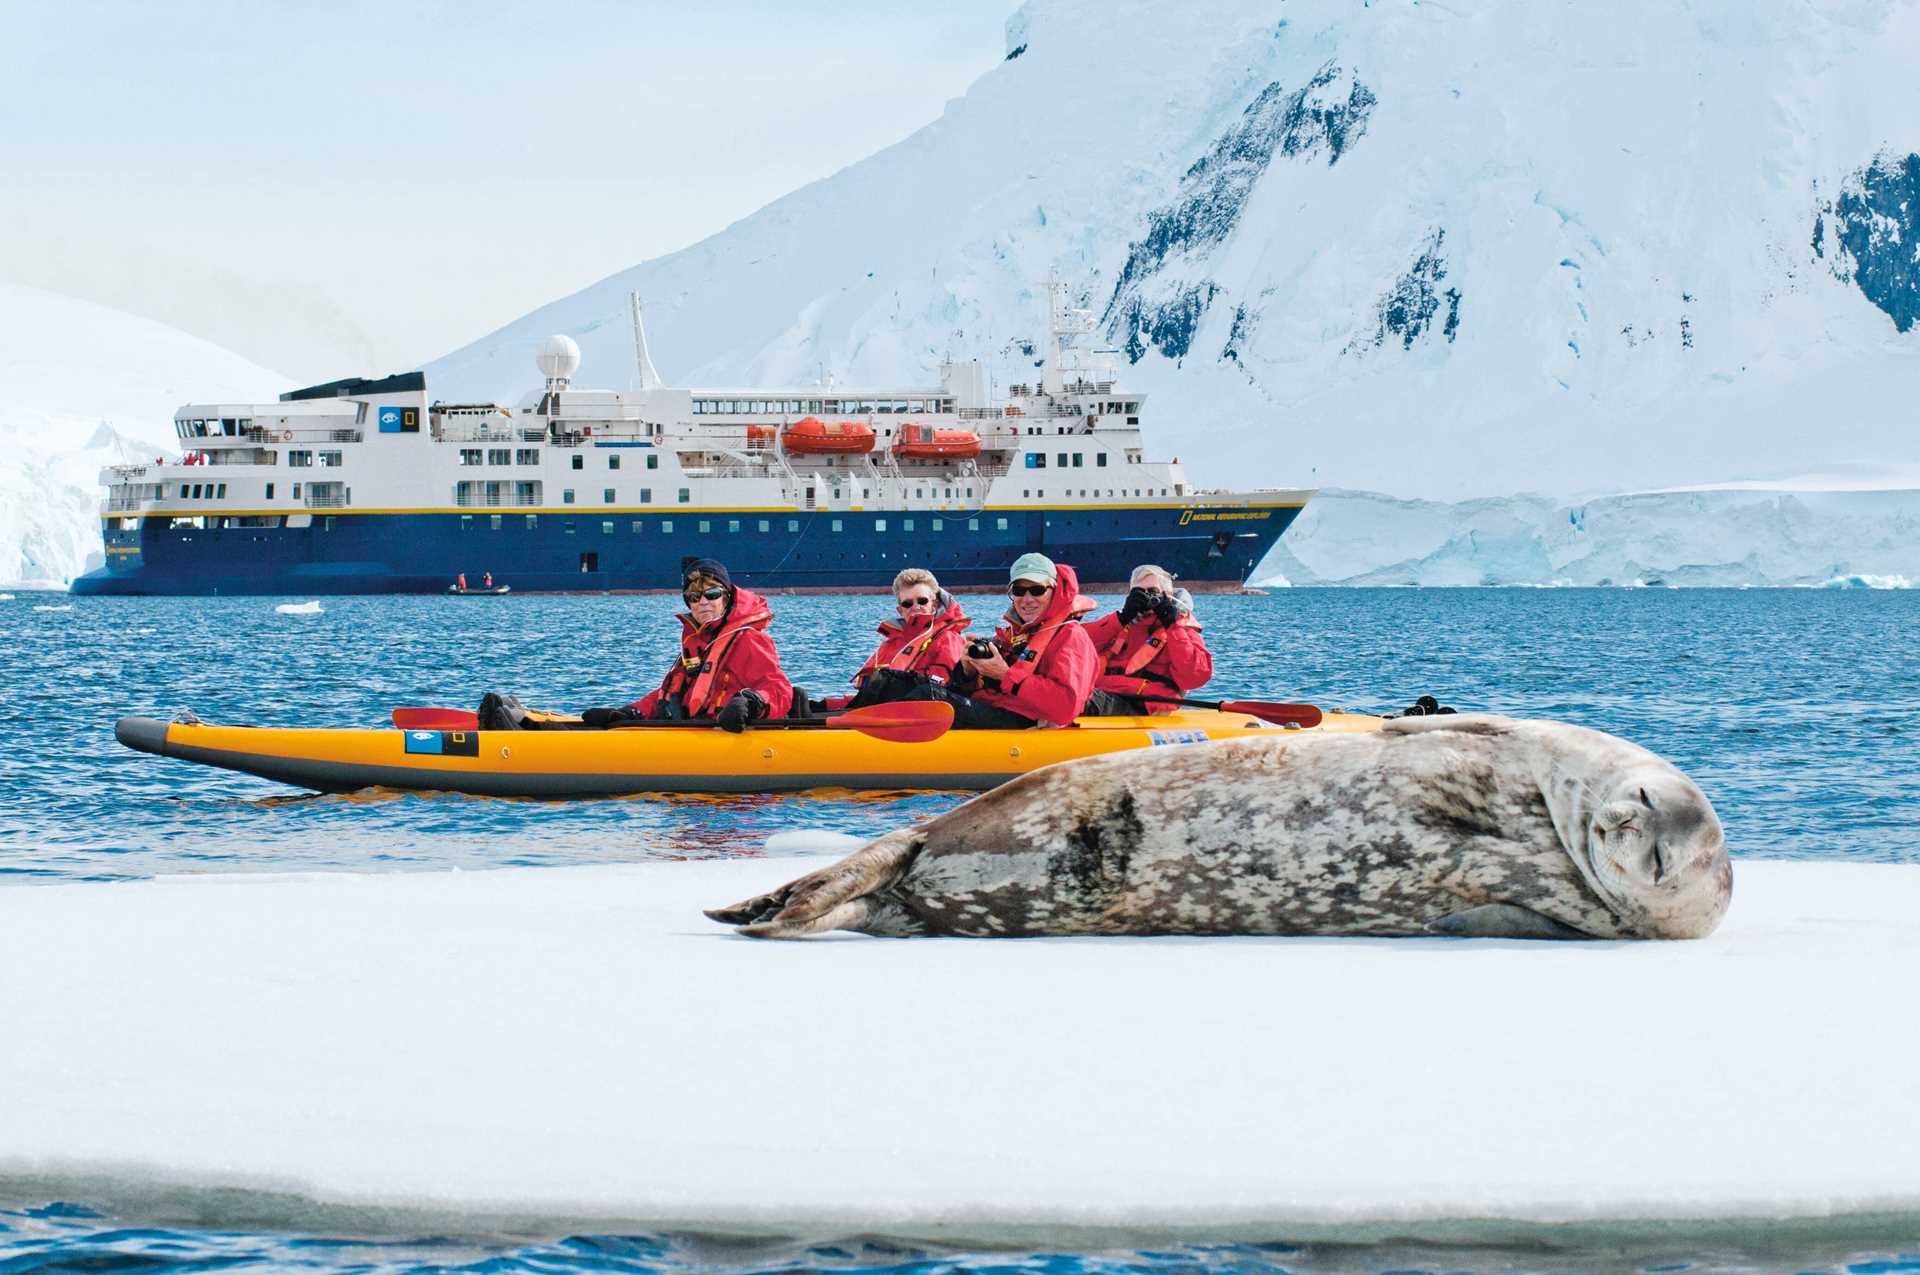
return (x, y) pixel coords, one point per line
(834, 898)
(1502, 921)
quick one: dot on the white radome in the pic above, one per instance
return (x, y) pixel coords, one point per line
(558, 358)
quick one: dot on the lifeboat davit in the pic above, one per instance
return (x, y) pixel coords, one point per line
(811, 436)
(924, 442)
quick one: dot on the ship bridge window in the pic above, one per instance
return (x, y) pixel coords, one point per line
(304, 459)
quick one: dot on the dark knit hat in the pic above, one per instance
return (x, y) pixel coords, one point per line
(691, 568)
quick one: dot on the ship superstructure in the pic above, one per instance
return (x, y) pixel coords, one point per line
(369, 486)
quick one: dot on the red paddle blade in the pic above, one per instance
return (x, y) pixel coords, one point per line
(1302, 715)
(910, 722)
(435, 719)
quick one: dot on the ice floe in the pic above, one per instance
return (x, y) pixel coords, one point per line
(579, 1047)
(300, 608)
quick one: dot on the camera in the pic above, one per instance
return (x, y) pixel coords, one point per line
(979, 649)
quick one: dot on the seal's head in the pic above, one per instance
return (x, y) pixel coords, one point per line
(1655, 852)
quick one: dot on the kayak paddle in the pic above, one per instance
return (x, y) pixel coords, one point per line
(907, 722)
(1279, 714)
(911, 722)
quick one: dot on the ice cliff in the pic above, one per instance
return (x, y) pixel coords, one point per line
(1834, 531)
(83, 386)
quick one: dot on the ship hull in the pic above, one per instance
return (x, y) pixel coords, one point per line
(584, 550)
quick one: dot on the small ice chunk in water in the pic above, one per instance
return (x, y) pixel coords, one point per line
(67, 607)
(813, 841)
(299, 608)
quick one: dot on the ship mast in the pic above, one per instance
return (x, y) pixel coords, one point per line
(649, 375)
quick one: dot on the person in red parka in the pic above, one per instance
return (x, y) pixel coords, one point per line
(728, 670)
(1041, 667)
(919, 648)
(1151, 646)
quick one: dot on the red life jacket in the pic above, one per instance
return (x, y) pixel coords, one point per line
(698, 675)
(912, 645)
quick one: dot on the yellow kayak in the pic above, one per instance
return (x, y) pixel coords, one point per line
(693, 759)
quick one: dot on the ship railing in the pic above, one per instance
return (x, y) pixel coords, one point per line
(486, 434)
(732, 471)
(299, 434)
(506, 500)
(980, 413)
(325, 500)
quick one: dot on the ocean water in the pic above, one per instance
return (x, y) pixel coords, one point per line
(1797, 712)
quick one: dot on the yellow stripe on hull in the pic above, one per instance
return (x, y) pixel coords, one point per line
(681, 759)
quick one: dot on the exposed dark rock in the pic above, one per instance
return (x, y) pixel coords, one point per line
(1214, 193)
(1875, 223)
(1409, 307)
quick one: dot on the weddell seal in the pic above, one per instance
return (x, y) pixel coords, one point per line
(1468, 825)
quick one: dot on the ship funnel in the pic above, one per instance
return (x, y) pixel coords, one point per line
(558, 358)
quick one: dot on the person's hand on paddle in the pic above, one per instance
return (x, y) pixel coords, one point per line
(747, 706)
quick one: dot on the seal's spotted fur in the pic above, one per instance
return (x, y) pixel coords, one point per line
(1438, 825)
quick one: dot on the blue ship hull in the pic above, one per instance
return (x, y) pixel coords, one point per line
(593, 551)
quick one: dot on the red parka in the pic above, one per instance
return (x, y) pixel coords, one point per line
(927, 642)
(1148, 658)
(1052, 687)
(720, 660)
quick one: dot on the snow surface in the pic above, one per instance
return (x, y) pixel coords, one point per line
(1760, 534)
(83, 387)
(556, 1049)
(1429, 249)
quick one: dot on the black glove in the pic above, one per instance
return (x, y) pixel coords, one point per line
(1166, 610)
(1136, 605)
(747, 706)
(608, 718)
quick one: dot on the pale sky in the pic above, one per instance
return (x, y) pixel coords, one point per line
(352, 188)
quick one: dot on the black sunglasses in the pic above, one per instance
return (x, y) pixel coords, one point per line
(908, 604)
(1027, 590)
(708, 594)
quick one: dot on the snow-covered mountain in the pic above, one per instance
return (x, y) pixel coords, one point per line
(1831, 532)
(1422, 248)
(82, 386)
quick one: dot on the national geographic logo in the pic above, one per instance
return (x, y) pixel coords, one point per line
(1224, 515)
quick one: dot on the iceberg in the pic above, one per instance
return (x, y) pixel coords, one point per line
(311, 607)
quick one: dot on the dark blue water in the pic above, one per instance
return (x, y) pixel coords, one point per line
(1797, 711)
(64, 1237)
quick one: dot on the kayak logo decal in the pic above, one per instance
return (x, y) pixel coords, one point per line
(444, 743)
(1160, 737)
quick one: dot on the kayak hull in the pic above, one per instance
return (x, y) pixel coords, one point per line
(552, 764)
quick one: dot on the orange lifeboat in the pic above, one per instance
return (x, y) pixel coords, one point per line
(924, 442)
(760, 435)
(811, 436)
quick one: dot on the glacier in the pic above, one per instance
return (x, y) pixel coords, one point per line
(1433, 250)
(83, 386)
(1814, 531)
